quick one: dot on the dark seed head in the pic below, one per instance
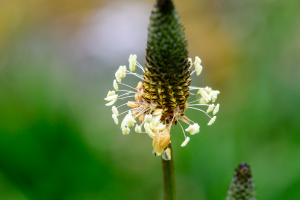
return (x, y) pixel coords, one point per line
(167, 67)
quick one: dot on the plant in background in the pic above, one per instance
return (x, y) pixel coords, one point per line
(242, 185)
(161, 97)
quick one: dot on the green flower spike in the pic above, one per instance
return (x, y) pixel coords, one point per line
(242, 185)
(162, 94)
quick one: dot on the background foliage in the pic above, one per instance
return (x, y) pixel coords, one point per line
(57, 62)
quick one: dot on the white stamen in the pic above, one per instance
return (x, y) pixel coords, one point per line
(203, 101)
(193, 129)
(210, 108)
(197, 61)
(135, 74)
(131, 120)
(115, 118)
(118, 76)
(124, 122)
(160, 127)
(122, 71)
(115, 110)
(138, 129)
(155, 121)
(214, 94)
(126, 97)
(148, 130)
(116, 87)
(140, 66)
(125, 131)
(216, 109)
(126, 111)
(200, 110)
(132, 62)
(112, 102)
(122, 105)
(182, 129)
(187, 139)
(204, 95)
(148, 118)
(111, 93)
(127, 86)
(212, 121)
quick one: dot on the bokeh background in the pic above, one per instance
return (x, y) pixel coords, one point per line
(57, 63)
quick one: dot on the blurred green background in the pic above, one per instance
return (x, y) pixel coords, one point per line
(57, 63)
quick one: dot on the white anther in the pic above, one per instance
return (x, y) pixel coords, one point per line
(125, 131)
(148, 130)
(118, 75)
(212, 121)
(122, 72)
(155, 121)
(197, 61)
(125, 121)
(160, 127)
(111, 103)
(132, 62)
(210, 108)
(198, 66)
(115, 118)
(115, 110)
(187, 139)
(131, 120)
(148, 118)
(111, 93)
(110, 98)
(116, 87)
(138, 129)
(216, 109)
(214, 95)
(203, 101)
(204, 94)
(193, 129)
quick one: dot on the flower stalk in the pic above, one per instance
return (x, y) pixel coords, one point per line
(169, 178)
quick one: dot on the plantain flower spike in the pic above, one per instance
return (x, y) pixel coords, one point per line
(162, 96)
(242, 185)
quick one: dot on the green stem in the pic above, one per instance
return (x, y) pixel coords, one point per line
(169, 178)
